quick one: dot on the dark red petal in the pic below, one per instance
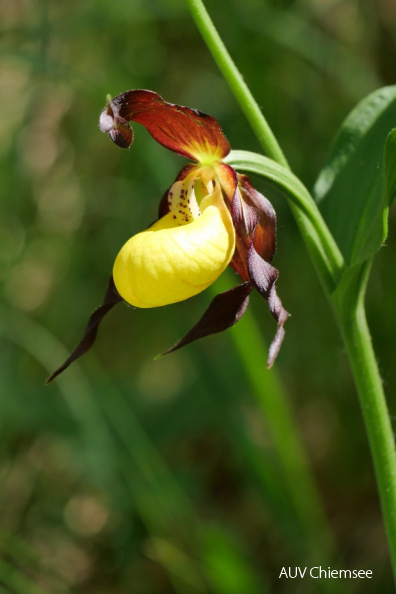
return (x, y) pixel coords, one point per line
(229, 183)
(223, 312)
(228, 178)
(265, 233)
(117, 127)
(186, 170)
(111, 298)
(238, 262)
(163, 207)
(264, 277)
(185, 131)
(244, 216)
(245, 219)
(253, 216)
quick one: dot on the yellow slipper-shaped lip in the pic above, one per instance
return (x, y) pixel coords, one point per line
(168, 263)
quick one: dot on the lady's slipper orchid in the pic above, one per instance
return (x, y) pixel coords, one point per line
(209, 218)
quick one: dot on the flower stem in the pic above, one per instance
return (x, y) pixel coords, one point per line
(352, 318)
(268, 392)
(376, 417)
(235, 80)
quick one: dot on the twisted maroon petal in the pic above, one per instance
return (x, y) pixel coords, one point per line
(185, 131)
(254, 221)
(244, 216)
(264, 276)
(111, 298)
(223, 312)
(254, 207)
(228, 178)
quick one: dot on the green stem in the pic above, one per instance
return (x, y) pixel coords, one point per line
(352, 318)
(308, 507)
(376, 417)
(235, 80)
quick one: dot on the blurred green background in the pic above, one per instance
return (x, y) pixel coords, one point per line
(128, 475)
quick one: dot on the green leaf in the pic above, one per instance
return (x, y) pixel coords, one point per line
(279, 180)
(356, 185)
(390, 166)
(350, 293)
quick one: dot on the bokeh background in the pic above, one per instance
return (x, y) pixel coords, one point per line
(129, 475)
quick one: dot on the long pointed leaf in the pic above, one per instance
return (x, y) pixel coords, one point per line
(390, 166)
(350, 189)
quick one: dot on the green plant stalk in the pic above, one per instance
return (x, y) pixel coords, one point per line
(297, 471)
(376, 416)
(235, 80)
(352, 322)
(351, 315)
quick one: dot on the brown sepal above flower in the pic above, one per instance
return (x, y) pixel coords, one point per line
(188, 132)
